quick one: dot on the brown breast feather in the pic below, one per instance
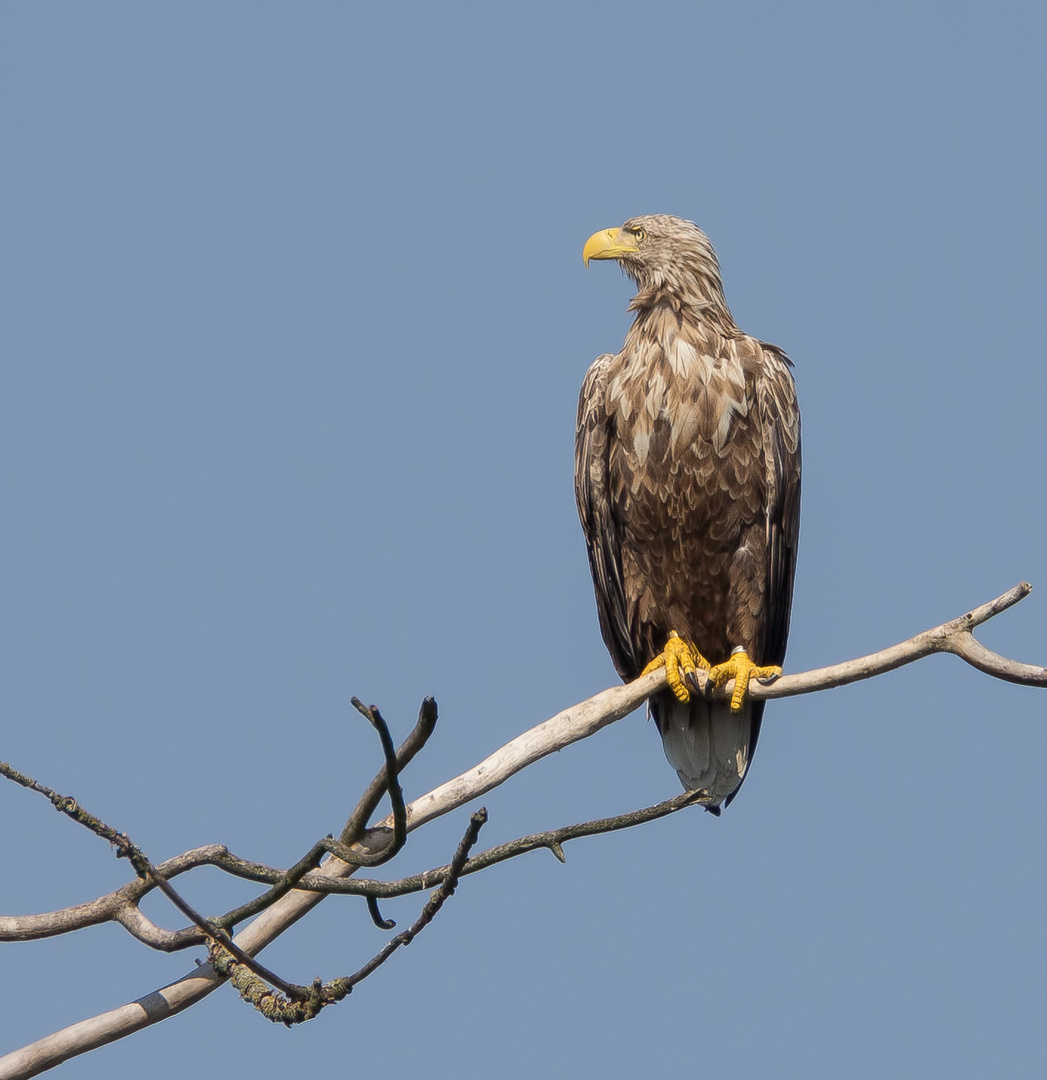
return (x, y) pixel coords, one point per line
(677, 437)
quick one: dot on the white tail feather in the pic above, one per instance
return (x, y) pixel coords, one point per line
(705, 743)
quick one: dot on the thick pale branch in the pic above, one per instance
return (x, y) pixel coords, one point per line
(590, 716)
(577, 722)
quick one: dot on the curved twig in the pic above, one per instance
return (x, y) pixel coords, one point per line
(121, 905)
(376, 914)
(396, 797)
(370, 799)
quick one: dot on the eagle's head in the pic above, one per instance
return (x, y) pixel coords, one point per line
(670, 259)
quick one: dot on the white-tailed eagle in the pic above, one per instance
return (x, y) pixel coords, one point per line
(687, 476)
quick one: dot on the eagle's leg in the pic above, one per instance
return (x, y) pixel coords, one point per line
(680, 660)
(741, 669)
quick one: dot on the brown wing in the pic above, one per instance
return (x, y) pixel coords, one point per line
(602, 536)
(780, 416)
(781, 428)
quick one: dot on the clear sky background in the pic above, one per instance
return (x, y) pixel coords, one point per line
(294, 321)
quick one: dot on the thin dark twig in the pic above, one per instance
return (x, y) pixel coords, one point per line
(311, 861)
(357, 823)
(376, 915)
(114, 905)
(66, 804)
(553, 839)
(432, 905)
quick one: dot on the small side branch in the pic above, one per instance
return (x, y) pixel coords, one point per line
(951, 637)
(121, 906)
(966, 646)
(396, 797)
(553, 839)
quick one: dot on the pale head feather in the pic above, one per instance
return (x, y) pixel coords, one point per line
(675, 265)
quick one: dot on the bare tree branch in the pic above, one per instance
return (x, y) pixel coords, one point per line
(303, 1003)
(571, 725)
(121, 906)
(387, 780)
(433, 904)
(127, 849)
(553, 839)
(111, 907)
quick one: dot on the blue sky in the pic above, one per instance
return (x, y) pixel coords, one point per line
(295, 320)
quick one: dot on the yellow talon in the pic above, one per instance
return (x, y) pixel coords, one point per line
(679, 660)
(741, 669)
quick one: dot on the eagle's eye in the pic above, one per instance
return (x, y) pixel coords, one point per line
(640, 234)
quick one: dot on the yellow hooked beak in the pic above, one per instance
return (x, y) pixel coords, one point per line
(609, 244)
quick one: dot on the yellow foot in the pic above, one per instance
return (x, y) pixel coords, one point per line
(741, 669)
(679, 660)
